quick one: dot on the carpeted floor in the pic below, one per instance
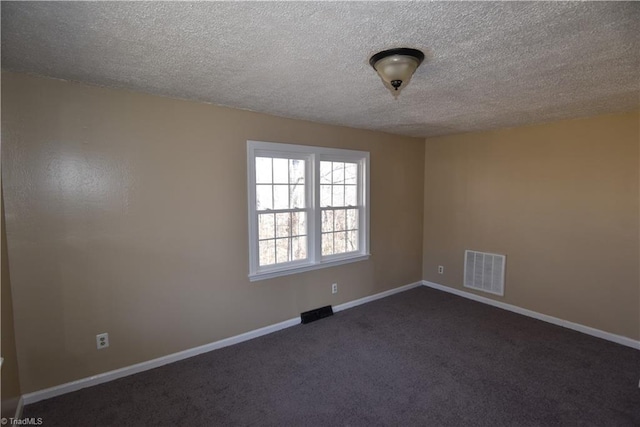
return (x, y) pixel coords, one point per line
(422, 357)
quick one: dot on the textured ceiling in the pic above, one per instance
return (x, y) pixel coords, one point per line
(488, 64)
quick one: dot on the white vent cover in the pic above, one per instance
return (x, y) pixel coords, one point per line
(484, 272)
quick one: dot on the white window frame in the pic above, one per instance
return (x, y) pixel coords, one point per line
(313, 156)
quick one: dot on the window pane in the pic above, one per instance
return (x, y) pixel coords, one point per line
(338, 173)
(327, 221)
(266, 226)
(282, 250)
(296, 171)
(339, 243)
(296, 193)
(267, 252)
(264, 198)
(325, 172)
(350, 173)
(350, 195)
(327, 244)
(325, 195)
(280, 197)
(352, 219)
(282, 224)
(339, 220)
(299, 223)
(263, 170)
(338, 195)
(280, 171)
(352, 241)
(299, 248)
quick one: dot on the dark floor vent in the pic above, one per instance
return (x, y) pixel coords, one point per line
(317, 314)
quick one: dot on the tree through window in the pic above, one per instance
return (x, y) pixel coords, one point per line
(307, 207)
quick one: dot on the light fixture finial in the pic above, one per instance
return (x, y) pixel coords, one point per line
(396, 66)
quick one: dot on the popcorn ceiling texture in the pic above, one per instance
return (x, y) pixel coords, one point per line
(489, 65)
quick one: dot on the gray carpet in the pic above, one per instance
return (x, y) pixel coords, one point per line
(422, 357)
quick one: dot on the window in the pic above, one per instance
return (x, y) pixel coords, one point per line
(308, 208)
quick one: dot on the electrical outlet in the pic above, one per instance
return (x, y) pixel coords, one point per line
(334, 288)
(102, 341)
(441, 269)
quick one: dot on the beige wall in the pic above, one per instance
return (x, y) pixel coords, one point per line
(10, 384)
(126, 213)
(559, 199)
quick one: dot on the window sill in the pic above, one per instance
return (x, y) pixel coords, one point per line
(285, 272)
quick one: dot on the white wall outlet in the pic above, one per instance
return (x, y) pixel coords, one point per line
(102, 341)
(441, 269)
(334, 288)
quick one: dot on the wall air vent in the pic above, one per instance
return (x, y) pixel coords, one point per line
(317, 314)
(484, 272)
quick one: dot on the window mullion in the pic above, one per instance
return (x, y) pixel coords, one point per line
(317, 213)
(276, 211)
(289, 225)
(362, 199)
(273, 186)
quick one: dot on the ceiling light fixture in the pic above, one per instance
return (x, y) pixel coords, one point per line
(396, 66)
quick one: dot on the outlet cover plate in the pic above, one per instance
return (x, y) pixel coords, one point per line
(102, 341)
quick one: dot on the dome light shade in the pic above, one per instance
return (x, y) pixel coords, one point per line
(396, 66)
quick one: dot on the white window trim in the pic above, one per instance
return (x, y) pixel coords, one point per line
(313, 155)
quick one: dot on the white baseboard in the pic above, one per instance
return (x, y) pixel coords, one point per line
(69, 387)
(370, 298)
(544, 317)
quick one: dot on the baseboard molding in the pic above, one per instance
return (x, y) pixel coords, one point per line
(72, 386)
(380, 295)
(619, 339)
(69, 387)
